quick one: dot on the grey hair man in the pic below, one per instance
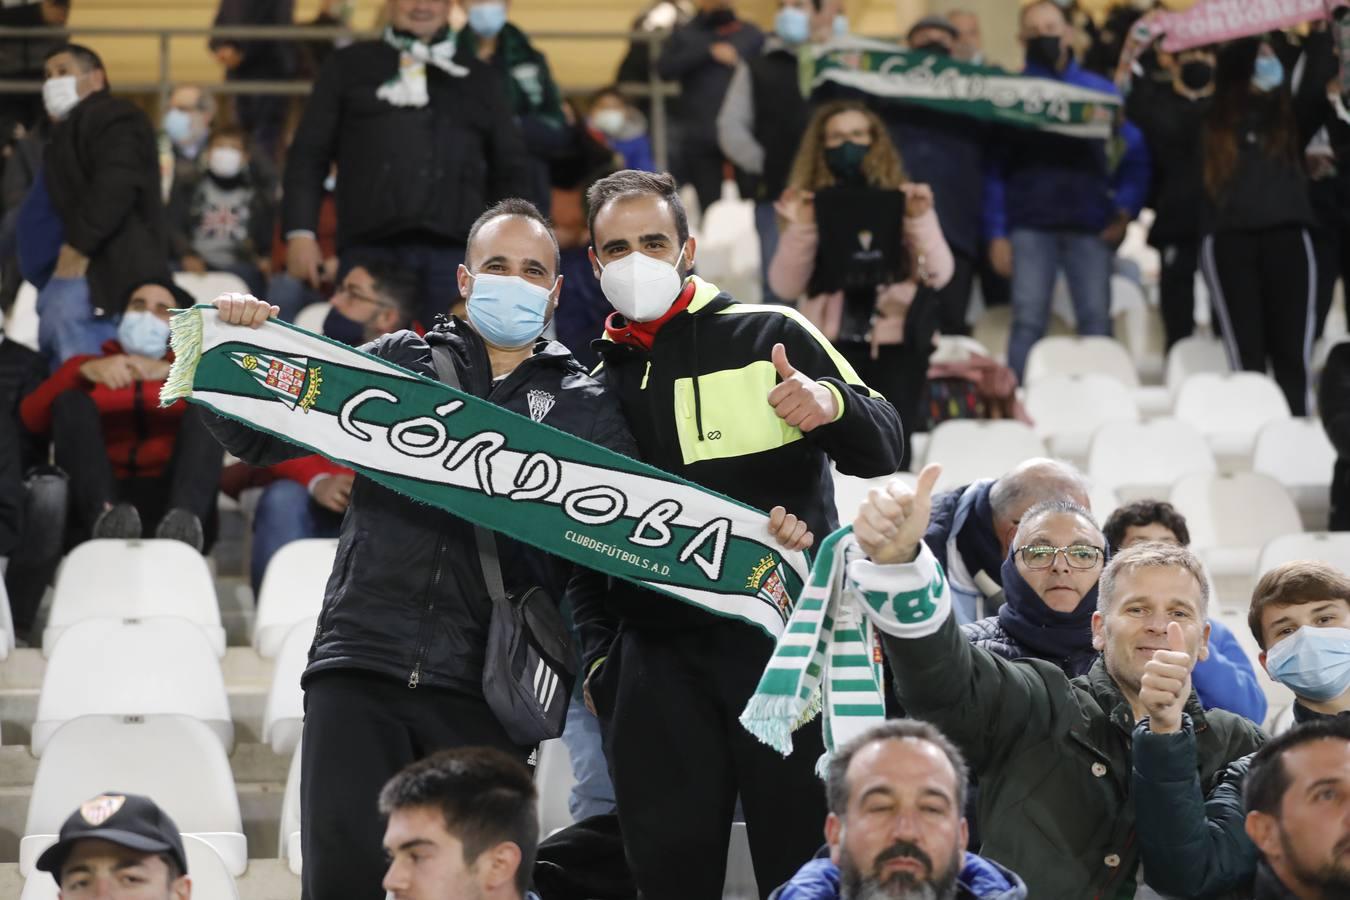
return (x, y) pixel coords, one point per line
(972, 527)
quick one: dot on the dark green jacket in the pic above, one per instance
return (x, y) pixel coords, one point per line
(1191, 835)
(1052, 756)
(529, 83)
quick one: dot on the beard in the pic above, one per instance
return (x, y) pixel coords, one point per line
(1332, 877)
(854, 885)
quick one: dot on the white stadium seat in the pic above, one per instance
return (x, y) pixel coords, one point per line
(177, 760)
(311, 317)
(134, 580)
(740, 881)
(1231, 518)
(1104, 502)
(128, 667)
(1191, 356)
(1230, 410)
(1142, 460)
(1068, 409)
(292, 589)
(1063, 355)
(554, 780)
(1297, 453)
(207, 286)
(850, 491)
(6, 624)
(971, 449)
(1330, 547)
(211, 880)
(21, 325)
(285, 711)
(289, 838)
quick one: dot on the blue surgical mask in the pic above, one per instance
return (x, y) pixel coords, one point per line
(507, 311)
(343, 329)
(792, 25)
(1269, 73)
(1312, 662)
(840, 25)
(487, 19)
(143, 333)
(178, 126)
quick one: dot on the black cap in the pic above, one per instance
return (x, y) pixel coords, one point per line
(939, 22)
(181, 297)
(127, 820)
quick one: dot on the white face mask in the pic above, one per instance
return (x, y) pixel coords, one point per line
(609, 121)
(225, 162)
(640, 288)
(60, 95)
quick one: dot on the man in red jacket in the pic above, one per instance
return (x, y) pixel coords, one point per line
(128, 460)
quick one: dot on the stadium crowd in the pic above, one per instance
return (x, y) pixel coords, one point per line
(1066, 714)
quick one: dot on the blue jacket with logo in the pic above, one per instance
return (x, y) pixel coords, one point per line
(980, 879)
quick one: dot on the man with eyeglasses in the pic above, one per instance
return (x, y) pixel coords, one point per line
(1053, 754)
(310, 494)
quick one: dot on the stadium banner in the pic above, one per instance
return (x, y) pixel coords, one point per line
(888, 72)
(487, 465)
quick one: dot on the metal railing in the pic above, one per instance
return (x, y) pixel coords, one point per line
(654, 88)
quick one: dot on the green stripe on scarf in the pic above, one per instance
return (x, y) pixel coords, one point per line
(488, 465)
(888, 72)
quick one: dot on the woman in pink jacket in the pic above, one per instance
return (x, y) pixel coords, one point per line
(862, 247)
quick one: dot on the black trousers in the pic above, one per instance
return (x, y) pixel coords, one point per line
(1331, 244)
(669, 705)
(1176, 289)
(1264, 288)
(954, 299)
(361, 729)
(900, 371)
(191, 481)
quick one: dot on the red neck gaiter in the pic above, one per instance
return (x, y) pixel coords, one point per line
(643, 334)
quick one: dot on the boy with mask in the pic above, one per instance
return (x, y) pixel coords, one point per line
(395, 672)
(753, 402)
(132, 464)
(222, 221)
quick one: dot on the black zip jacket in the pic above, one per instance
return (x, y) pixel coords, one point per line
(421, 171)
(1334, 403)
(697, 404)
(406, 597)
(1173, 126)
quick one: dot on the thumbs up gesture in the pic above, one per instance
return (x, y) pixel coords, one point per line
(892, 520)
(1166, 683)
(801, 402)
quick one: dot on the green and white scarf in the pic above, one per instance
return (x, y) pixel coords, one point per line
(888, 72)
(829, 658)
(487, 465)
(409, 86)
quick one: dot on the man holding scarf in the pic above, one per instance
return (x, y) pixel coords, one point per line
(395, 671)
(423, 139)
(751, 401)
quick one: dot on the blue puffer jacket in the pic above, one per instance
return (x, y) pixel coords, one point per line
(980, 879)
(1051, 182)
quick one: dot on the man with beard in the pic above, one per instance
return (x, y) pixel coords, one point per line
(895, 828)
(1296, 797)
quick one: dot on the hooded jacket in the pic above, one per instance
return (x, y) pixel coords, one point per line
(697, 403)
(961, 537)
(980, 879)
(406, 597)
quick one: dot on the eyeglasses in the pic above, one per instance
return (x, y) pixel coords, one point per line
(1042, 556)
(360, 297)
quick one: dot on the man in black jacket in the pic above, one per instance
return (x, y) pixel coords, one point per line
(702, 56)
(395, 672)
(753, 402)
(1334, 405)
(102, 171)
(423, 140)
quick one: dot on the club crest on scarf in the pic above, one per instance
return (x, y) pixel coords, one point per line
(290, 379)
(101, 808)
